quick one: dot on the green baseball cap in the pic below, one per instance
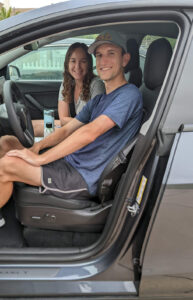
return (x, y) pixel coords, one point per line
(108, 37)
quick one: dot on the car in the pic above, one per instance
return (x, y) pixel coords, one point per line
(134, 240)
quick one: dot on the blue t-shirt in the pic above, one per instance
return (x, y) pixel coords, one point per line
(124, 107)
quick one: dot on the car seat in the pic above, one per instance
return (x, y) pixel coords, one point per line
(133, 67)
(50, 212)
(156, 64)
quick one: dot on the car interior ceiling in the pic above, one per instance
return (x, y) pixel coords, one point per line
(19, 231)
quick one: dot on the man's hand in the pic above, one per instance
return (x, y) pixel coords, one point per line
(35, 148)
(27, 155)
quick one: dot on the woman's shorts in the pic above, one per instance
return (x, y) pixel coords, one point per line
(59, 178)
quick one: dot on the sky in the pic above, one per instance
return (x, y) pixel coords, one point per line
(31, 3)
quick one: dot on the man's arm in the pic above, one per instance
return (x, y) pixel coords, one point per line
(57, 136)
(78, 139)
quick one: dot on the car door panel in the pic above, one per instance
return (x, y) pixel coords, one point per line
(40, 95)
(168, 257)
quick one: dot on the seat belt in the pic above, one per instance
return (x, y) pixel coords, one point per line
(72, 109)
(72, 106)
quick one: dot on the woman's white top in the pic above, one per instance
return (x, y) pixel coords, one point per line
(96, 88)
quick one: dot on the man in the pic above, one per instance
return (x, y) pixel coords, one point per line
(82, 148)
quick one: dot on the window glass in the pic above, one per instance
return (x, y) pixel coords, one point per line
(46, 63)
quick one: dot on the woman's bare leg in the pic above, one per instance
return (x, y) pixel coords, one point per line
(9, 142)
(38, 126)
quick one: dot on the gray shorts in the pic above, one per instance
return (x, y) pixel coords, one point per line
(59, 178)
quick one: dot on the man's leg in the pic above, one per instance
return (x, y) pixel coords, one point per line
(9, 142)
(15, 169)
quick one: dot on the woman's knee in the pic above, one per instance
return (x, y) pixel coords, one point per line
(5, 142)
(7, 167)
(9, 142)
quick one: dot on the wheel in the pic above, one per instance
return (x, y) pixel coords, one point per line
(18, 114)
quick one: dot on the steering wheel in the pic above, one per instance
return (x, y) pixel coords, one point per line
(18, 113)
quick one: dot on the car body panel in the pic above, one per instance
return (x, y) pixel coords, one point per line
(76, 6)
(70, 289)
(168, 258)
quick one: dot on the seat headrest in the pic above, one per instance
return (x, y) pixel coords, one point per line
(156, 63)
(133, 49)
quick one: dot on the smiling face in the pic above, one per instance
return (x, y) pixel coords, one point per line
(78, 64)
(110, 63)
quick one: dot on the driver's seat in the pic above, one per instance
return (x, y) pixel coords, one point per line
(50, 212)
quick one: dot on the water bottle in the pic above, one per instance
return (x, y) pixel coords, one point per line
(48, 122)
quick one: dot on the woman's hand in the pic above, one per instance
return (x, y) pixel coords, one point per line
(27, 155)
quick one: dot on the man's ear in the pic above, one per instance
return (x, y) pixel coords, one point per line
(126, 59)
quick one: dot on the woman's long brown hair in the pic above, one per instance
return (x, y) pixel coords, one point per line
(68, 83)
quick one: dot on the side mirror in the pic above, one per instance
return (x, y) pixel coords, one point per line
(14, 72)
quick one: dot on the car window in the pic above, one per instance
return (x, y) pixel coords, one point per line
(45, 63)
(147, 40)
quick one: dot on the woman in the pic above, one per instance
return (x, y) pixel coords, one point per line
(79, 85)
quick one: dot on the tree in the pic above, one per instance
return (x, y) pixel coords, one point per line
(6, 13)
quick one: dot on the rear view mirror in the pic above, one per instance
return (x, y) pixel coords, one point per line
(32, 46)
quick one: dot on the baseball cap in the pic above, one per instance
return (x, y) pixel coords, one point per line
(108, 37)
